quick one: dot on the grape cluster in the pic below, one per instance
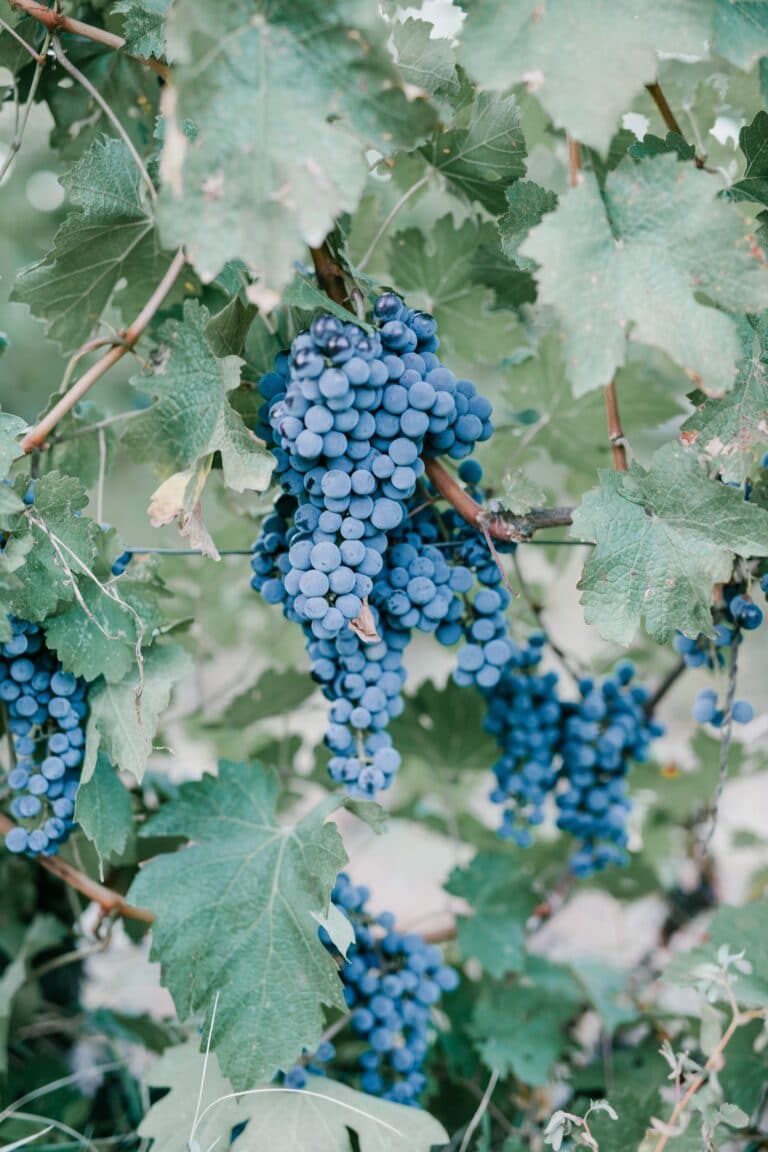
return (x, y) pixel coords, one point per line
(46, 710)
(392, 981)
(738, 614)
(602, 734)
(350, 416)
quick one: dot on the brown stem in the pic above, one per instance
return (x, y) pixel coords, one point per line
(503, 526)
(110, 902)
(667, 115)
(56, 21)
(574, 160)
(664, 685)
(615, 431)
(37, 437)
(330, 275)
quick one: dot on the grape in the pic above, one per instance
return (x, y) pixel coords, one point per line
(46, 722)
(391, 981)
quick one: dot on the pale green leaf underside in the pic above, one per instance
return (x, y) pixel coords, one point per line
(313, 1120)
(634, 264)
(663, 538)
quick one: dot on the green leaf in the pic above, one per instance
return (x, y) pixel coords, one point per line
(741, 31)
(732, 430)
(318, 1118)
(444, 726)
(124, 725)
(192, 417)
(47, 565)
(108, 237)
(502, 901)
(738, 930)
(43, 933)
(483, 151)
(11, 428)
(584, 63)
(527, 204)
(651, 145)
(663, 537)
(103, 811)
(753, 141)
(227, 329)
(241, 858)
(424, 60)
(268, 127)
(274, 694)
(608, 992)
(144, 25)
(303, 293)
(519, 1028)
(656, 222)
(438, 273)
(102, 640)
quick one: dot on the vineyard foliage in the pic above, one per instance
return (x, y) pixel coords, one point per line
(383, 559)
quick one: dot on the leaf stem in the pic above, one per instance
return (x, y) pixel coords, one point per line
(114, 120)
(482, 1108)
(667, 115)
(671, 678)
(20, 128)
(406, 196)
(110, 902)
(37, 437)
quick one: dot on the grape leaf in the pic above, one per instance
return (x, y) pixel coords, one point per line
(43, 933)
(47, 564)
(732, 430)
(127, 726)
(438, 273)
(274, 694)
(103, 811)
(738, 930)
(526, 203)
(109, 237)
(192, 417)
(102, 640)
(657, 222)
(651, 145)
(444, 726)
(753, 141)
(424, 60)
(319, 1117)
(483, 151)
(663, 537)
(519, 1027)
(241, 858)
(126, 86)
(268, 122)
(741, 31)
(11, 428)
(585, 62)
(502, 902)
(144, 25)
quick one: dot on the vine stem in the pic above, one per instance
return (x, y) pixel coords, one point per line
(97, 97)
(110, 902)
(738, 1020)
(615, 431)
(665, 685)
(37, 436)
(56, 21)
(725, 741)
(667, 115)
(20, 128)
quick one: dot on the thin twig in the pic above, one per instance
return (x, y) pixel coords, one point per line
(87, 429)
(670, 120)
(665, 685)
(713, 1064)
(537, 611)
(37, 437)
(114, 120)
(481, 1110)
(111, 902)
(363, 262)
(18, 135)
(725, 741)
(20, 40)
(100, 480)
(502, 525)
